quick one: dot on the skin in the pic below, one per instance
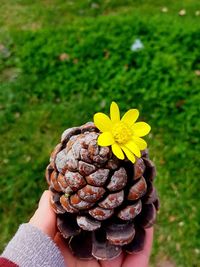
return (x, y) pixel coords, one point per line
(48, 226)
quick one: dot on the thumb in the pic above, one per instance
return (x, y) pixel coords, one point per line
(44, 217)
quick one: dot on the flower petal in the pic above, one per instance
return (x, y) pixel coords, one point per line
(114, 112)
(129, 154)
(141, 143)
(141, 128)
(105, 139)
(130, 116)
(116, 149)
(133, 148)
(102, 122)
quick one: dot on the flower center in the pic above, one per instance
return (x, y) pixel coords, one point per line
(121, 132)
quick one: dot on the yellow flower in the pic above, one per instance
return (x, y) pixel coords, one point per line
(124, 136)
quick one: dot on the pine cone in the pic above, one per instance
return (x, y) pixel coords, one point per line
(103, 204)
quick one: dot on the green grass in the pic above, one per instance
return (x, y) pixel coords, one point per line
(40, 96)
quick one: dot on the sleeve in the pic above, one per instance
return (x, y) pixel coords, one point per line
(31, 247)
(6, 263)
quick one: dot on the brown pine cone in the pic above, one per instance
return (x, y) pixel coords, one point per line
(103, 204)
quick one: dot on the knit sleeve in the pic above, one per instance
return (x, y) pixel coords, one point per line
(31, 247)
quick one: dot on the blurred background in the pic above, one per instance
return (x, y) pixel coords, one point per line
(62, 61)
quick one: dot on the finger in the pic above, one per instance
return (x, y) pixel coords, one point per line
(142, 258)
(70, 259)
(148, 241)
(44, 217)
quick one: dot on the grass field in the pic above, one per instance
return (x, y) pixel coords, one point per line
(62, 61)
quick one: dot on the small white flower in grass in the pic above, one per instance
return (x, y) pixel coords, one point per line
(182, 12)
(181, 224)
(164, 9)
(94, 5)
(197, 13)
(137, 45)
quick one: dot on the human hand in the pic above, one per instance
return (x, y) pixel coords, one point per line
(45, 220)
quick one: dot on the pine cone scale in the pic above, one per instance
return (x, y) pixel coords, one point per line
(69, 229)
(118, 180)
(66, 205)
(112, 200)
(138, 190)
(100, 213)
(102, 249)
(130, 211)
(98, 178)
(78, 203)
(137, 243)
(88, 224)
(139, 168)
(120, 234)
(80, 250)
(91, 193)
